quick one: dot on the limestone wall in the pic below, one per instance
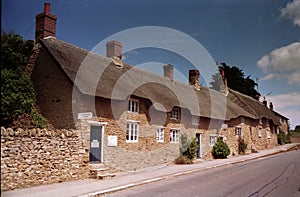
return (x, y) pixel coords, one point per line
(40, 156)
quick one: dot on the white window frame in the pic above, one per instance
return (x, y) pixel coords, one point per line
(260, 132)
(175, 114)
(268, 133)
(213, 139)
(238, 131)
(260, 121)
(133, 105)
(174, 135)
(160, 134)
(132, 131)
(242, 120)
(195, 120)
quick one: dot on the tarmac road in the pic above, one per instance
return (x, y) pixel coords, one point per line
(277, 175)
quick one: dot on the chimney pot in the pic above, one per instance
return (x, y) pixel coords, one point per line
(265, 102)
(271, 106)
(194, 78)
(47, 8)
(168, 71)
(114, 49)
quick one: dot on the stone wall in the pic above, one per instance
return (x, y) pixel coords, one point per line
(40, 156)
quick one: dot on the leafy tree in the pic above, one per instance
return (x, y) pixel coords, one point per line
(236, 80)
(17, 92)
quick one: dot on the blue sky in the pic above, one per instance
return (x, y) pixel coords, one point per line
(260, 36)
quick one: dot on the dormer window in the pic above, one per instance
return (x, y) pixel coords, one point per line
(242, 120)
(133, 105)
(260, 121)
(175, 114)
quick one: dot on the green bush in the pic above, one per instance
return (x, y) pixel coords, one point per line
(220, 150)
(282, 138)
(188, 150)
(242, 146)
(37, 120)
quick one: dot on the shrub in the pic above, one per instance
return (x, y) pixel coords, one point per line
(242, 146)
(220, 150)
(282, 138)
(183, 160)
(37, 120)
(188, 150)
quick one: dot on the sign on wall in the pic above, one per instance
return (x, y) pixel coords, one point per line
(85, 115)
(112, 140)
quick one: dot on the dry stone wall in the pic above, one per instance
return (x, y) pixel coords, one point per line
(40, 156)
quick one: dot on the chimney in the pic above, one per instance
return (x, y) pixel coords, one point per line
(45, 24)
(114, 49)
(194, 78)
(271, 106)
(168, 71)
(265, 102)
(223, 83)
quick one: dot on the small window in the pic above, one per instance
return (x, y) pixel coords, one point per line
(195, 120)
(132, 132)
(268, 134)
(175, 114)
(213, 139)
(133, 105)
(238, 131)
(242, 120)
(259, 132)
(160, 134)
(174, 136)
(260, 121)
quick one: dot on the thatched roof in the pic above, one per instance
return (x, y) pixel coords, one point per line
(98, 76)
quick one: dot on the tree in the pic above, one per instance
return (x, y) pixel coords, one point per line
(236, 80)
(17, 92)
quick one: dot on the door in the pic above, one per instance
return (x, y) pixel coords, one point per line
(95, 143)
(199, 151)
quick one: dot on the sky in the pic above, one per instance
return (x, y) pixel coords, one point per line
(262, 37)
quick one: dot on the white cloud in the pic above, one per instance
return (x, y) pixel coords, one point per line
(282, 63)
(288, 105)
(292, 11)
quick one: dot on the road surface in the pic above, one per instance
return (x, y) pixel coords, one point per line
(277, 175)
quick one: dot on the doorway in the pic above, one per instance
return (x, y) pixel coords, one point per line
(96, 144)
(199, 151)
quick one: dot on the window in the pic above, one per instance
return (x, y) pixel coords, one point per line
(174, 136)
(242, 120)
(238, 131)
(133, 105)
(195, 120)
(160, 134)
(259, 132)
(268, 134)
(132, 132)
(175, 114)
(260, 121)
(212, 139)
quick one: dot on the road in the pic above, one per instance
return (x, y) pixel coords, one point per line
(277, 175)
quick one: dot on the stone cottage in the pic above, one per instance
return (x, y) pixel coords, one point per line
(129, 118)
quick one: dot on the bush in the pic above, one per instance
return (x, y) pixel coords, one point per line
(282, 138)
(37, 120)
(188, 150)
(220, 150)
(183, 160)
(242, 146)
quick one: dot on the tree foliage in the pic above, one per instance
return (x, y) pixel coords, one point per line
(220, 150)
(236, 80)
(188, 150)
(17, 92)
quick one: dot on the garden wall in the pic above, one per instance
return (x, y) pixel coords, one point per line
(41, 156)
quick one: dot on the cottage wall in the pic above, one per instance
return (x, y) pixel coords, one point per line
(41, 156)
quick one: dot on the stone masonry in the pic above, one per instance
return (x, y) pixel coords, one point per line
(41, 156)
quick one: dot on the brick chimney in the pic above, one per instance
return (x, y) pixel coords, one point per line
(271, 106)
(194, 78)
(114, 49)
(265, 102)
(223, 83)
(45, 24)
(168, 71)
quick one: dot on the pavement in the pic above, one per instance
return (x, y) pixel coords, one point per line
(93, 187)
